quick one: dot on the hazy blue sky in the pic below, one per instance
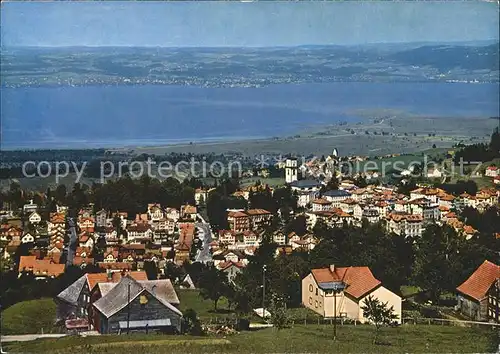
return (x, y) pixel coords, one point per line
(243, 24)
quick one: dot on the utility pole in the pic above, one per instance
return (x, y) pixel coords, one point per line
(264, 292)
(335, 315)
(338, 287)
(128, 312)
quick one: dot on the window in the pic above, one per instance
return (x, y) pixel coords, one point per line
(316, 291)
(316, 303)
(310, 300)
(310, 288)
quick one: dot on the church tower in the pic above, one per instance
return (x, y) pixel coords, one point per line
(291, 170)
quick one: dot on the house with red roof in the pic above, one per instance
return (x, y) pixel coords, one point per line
(492, 171)
(318, 294)
(231, 268)
(41, 268)
(321, 204)
(473, 294)
(238, 221)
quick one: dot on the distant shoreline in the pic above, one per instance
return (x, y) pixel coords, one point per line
(393, 134)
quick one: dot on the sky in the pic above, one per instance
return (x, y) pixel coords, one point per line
(256, 24)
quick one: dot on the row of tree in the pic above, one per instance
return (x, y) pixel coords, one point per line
(480, 152)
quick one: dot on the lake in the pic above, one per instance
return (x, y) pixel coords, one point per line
(105, 116)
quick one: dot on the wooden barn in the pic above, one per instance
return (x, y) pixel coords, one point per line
(133, 306)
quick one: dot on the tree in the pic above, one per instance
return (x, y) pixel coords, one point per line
(213, 283)
(191, 323)
(117, 224)
(216, 210)
(262, 199)
(360, 182)
(250, 280)
(285, 276)
(389, 257)
(333, 184)
(495, 142)
(239, 298)
(60, 194)
(437, 260)
(378, 313)
(297, 225)
(151, 270)
(279, 316)
(172, 272)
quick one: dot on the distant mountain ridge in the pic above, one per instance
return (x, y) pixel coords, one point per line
(249, 67)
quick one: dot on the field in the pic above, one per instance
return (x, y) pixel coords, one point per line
(404, 134)
(191, 299)
(30, 317)
(299, 339)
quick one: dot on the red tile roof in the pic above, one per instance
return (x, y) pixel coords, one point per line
(42, 267)
(252, 212)
(359, 280)
(469, 230)
(78, 261)
(480, 281)
(115, 265)
(237, 214)
(57, 218)
(94, 278)
(227, 264)
(321, 201)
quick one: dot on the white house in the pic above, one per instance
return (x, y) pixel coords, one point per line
(155, 212)
(27, 238)
(405, 224)
(307, 190)
(140, 232)
(321, 204)
(101, 217)
(492, 171)
(173, 214)
(34, 218)
(434, 173)
(318, 292)
(279, 238)
(336, 197)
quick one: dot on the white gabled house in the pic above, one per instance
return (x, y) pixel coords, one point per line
(34, 218)
(27, 238)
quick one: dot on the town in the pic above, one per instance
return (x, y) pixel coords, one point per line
(321, 246)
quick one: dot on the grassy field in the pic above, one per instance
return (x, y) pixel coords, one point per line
(409, 290)
(29, 317)
(321, 140)
(299, 339)
(191, 299)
